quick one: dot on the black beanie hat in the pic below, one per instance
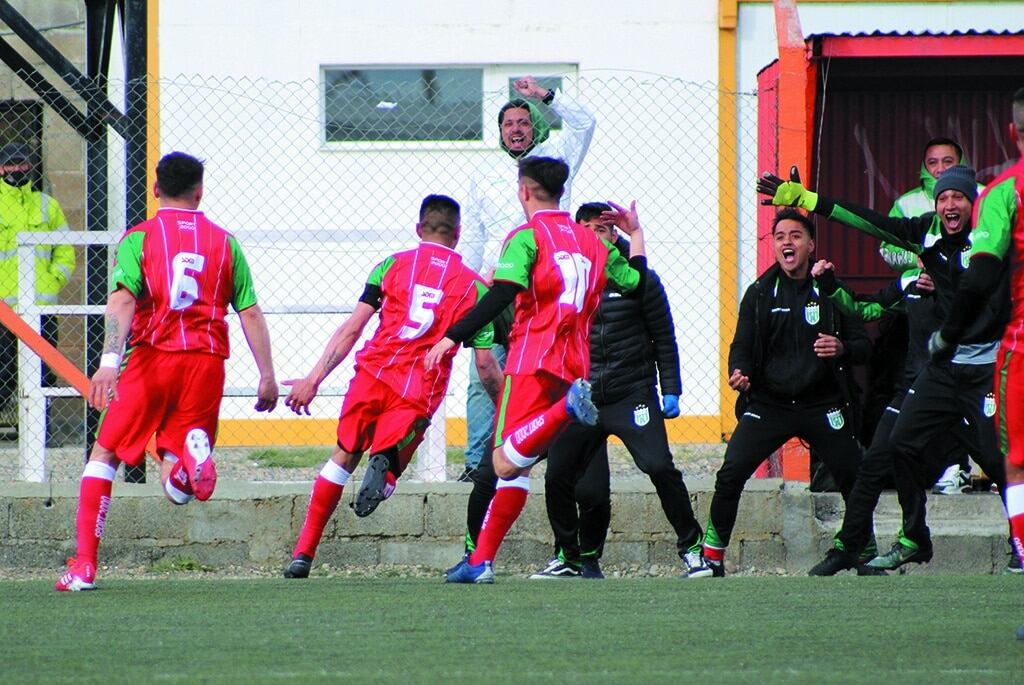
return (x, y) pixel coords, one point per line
(960, 178)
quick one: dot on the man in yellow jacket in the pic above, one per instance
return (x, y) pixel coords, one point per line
(25, 208)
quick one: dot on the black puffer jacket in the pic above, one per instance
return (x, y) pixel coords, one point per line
(633, 343)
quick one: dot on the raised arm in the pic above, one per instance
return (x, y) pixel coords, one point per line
(907, 233)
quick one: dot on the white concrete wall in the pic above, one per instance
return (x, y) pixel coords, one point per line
(283, 178)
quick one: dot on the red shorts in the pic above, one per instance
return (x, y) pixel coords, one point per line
(374, 417)
(1009, 416)
(167, 393)
(523, 398)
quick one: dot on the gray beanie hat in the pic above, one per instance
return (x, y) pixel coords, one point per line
(960, 178)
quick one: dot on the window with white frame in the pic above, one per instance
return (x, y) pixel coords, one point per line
(424, 104)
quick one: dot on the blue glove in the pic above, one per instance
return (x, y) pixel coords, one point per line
(670, 406)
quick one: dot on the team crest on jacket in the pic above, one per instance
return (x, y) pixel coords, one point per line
(835, 418)
(641, 415)
(965, 257)
(812, 313)
(988, 405)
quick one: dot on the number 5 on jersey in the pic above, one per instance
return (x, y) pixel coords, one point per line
(421, 311)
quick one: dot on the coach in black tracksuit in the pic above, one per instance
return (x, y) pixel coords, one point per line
(951, 388)
(912, 293)
(632, 347)
(790, 360)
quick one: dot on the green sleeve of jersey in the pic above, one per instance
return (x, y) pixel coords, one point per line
(622, 277)
(517, 258)
(995, 221)
(865, 311)
(484, 338)
(244, 295)
(127, 271)
(376, 276)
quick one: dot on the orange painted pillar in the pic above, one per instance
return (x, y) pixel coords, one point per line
(796, 126)
(52, 357)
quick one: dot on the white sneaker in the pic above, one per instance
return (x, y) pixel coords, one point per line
(952, 482)
(694, 566)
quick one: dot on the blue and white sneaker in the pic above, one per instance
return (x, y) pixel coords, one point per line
(579, 403)
(465, 572)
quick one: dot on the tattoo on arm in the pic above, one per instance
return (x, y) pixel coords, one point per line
(332, 361)
(492, 387)
(112, 340)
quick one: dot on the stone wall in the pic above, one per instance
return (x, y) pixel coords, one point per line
(780, 528)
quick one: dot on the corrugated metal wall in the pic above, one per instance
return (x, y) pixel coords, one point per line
(877, 116)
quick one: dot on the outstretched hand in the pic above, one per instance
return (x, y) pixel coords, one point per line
(436, 352)
(625, 219)
(303, 390)
(791, 193)
(528, 87)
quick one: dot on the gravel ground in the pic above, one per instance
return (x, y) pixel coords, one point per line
(65, 463)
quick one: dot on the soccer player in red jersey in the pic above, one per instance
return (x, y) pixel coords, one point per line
(173, 280)
(387, 408)
(554, 269)
(998, 236)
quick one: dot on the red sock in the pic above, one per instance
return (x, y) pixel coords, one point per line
(503, 511)
(534, 436)
(93, 502)
(322, 503)
(714, 553)
(1015, 510)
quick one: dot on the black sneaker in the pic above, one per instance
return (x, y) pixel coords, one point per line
(373, 490)
(556, 568)
(1013, 566)
(717, 568)
(865, 570)
(299, 568)
(900, 554)
(591, 569)
(835, 561)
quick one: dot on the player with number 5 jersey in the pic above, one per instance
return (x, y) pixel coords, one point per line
(174, 278)
(392, 397)
(555, 270)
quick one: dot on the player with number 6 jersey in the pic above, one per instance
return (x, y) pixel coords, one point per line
(554, 269)
(392, 397)
(173, 280)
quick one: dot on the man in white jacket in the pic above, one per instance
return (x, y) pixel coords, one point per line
(493, 209)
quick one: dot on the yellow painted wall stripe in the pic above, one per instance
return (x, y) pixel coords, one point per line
(152, 100)
(302, 432)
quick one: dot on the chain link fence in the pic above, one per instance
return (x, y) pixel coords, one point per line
(322, 180)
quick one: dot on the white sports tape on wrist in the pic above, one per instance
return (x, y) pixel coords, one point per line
(110, 360)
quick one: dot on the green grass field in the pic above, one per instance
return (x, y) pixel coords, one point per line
(910, 629)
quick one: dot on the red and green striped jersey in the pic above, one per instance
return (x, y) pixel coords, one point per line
(563, 267)
(999, 231)
(184, 271)
(424, 291)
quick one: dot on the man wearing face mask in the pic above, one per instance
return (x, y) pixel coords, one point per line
(492, 210)
(23, 207)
